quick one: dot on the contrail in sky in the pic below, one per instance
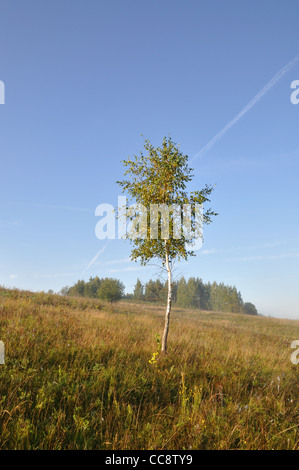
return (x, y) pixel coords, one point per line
(95, 258)
(251, 103)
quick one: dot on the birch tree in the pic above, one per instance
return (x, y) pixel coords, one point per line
(158, 178)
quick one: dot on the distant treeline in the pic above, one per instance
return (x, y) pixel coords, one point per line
(194, 293)
(105, 289)
(191, 293)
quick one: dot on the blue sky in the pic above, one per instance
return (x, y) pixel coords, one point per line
(83, 81)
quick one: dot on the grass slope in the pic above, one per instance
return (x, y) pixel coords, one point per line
(82, 375)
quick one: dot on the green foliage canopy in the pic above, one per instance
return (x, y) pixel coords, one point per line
(160, 177)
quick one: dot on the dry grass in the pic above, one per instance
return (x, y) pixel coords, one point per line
(77, 376)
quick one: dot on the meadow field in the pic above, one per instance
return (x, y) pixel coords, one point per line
(82, 374)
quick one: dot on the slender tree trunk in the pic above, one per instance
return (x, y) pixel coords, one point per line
(169, 297)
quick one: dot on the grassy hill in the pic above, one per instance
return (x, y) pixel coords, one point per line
(80, 374)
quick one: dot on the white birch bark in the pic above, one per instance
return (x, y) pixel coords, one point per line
(169, 298)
